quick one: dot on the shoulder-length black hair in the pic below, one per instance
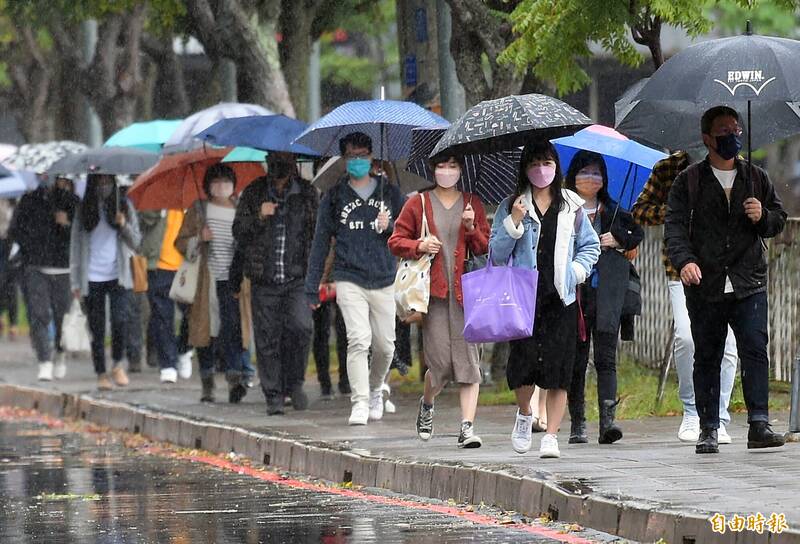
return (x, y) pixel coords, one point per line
(91, 204)
(581, 160)
(537, 150)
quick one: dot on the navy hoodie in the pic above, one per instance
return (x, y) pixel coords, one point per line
(362, 254)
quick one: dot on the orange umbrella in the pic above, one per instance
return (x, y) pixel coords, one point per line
(176, 181)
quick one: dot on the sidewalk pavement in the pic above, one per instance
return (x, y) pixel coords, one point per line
(646, 481)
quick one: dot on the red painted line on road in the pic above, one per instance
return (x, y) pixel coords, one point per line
(480, 519)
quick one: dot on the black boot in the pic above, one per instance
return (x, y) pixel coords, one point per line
(609, 431)
(707, 443)
(761, 435)
(577, 433)
(299, 398)
(208, 388)
(236, 387)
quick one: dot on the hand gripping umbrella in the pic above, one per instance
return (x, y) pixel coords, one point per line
(737, 70)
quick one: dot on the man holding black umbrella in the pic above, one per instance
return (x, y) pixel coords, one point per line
(717, 218)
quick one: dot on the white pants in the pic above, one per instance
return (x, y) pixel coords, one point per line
(369, 318)
(684, 358)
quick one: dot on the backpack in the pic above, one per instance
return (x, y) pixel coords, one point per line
(693, 186)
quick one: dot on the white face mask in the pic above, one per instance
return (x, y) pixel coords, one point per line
(222, 190)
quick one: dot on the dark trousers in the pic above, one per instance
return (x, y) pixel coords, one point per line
(321, 345)
(96, 313)
(605, 360)
(229, 340)
(135, 342)
(282, 330)
(161, 328)
(748, 320)
(9, 278)
(402, 343)
(48, 300)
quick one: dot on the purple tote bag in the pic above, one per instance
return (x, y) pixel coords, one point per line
(499, 303)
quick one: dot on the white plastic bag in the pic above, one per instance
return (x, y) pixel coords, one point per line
(75, 330)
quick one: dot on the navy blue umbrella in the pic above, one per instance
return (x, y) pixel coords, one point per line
(388, 122)
(265, 132)
(491, 176)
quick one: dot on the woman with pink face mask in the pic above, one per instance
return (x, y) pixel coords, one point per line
(458, 226)
(543, 227)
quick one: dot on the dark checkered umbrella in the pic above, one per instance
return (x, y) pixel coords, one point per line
(491, 176)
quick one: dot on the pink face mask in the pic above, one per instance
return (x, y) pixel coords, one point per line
(447, 177)
(541, 176)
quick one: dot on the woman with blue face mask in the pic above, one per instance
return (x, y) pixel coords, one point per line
(105, 235)
(602, 297)
(543, 227)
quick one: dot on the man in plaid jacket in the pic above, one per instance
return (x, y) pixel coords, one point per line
(650, 209)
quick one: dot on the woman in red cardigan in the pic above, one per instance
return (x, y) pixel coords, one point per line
(457, 223)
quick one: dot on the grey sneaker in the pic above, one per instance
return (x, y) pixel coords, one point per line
(468, 438)
(424, 421)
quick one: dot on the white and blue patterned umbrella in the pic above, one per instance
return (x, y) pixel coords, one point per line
(388, 122)
(40, 156)
(491, 176)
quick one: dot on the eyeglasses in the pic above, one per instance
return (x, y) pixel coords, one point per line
(728, 131)
(358, 156)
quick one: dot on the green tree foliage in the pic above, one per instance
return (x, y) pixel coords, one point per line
(554, 36)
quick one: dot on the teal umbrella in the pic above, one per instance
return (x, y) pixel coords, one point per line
(149, 135)
(245, 154)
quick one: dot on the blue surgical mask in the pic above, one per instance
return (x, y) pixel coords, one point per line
(358, 168)
(728, 146)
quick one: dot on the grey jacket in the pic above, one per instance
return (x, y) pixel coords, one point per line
(128, 240)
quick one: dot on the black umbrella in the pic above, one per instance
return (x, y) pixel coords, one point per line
(675, 124)
(737, 70)
(491, 176)
(508, 122)
(106, 160)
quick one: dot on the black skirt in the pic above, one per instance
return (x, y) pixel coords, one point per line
(546, 358)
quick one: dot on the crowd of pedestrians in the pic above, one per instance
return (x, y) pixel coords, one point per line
(278, 264)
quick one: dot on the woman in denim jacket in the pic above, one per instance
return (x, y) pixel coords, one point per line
(543, 227)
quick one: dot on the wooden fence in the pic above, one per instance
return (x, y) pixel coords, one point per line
(653, 328)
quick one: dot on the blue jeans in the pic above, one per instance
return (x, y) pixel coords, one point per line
(748, 319)
(161, 328)
(96, 314)
(230, 337)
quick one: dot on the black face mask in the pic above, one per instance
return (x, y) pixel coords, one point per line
(728, 146)
(280, 169)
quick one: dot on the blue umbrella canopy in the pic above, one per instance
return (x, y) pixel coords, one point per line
(628, 163)
(149, 135)
(265, 132)
(388, 122)
(185, 134)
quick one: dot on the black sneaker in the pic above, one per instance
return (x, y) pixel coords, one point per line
(236, 393)
(299, 398)
(707, 442)
(468, 438)
(344, 388)
(761, 435)
(275, 406)
(577, 433)
(424, 421)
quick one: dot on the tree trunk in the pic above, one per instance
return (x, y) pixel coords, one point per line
(31, 75)
(295, 24)
(170, 85)
(226, 30)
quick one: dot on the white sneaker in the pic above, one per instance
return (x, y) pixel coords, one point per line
(169, 375)
(549, 447)
(359, 414)
(185, 365)
(722, 435)
(521, 435)
(60, 367)
(376, 405)
(690, 429)
(45, 372)
(388, 406)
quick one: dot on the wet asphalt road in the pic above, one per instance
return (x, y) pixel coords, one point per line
(60, 486)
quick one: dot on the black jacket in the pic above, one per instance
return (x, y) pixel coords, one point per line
(254, 235)
(614, 270)
(43, 242)
(724, 242)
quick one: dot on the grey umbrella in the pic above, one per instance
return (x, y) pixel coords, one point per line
(675, 124)
(106, 160)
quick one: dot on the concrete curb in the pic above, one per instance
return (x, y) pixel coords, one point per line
(529, 496)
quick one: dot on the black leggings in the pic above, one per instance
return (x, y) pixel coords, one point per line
(96, 314)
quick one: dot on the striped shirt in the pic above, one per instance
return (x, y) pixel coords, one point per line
(220, 220)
